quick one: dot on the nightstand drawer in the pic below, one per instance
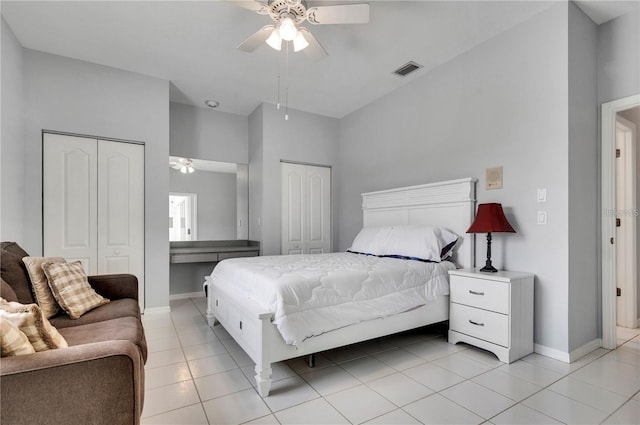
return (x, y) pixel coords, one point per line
(482, 324)
(485, 294)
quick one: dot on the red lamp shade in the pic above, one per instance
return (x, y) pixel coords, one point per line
(490, 218)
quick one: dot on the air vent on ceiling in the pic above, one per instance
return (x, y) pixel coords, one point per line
(407, 68)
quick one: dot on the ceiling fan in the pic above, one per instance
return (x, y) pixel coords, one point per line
(184, 165)
(288, 15)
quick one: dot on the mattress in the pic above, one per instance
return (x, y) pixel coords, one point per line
(313, 294)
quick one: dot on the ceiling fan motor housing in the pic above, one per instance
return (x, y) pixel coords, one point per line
(295, 9)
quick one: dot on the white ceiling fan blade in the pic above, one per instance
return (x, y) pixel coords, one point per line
(257, 6)
(341, 14)
(256, 39)
(314, 50)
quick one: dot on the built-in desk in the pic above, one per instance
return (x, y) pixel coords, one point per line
(211, 251)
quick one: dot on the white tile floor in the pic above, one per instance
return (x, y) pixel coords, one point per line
(196, 375)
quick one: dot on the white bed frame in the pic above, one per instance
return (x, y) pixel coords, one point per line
(449, 204)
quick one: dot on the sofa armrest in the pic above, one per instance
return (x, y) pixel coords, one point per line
(97, 383)
(115, 286)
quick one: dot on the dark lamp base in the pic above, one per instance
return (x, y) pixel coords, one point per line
(489, 269)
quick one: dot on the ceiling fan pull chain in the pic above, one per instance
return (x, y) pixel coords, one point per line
(286, 90)
(278, 87)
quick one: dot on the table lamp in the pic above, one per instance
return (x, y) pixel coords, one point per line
(490, 218)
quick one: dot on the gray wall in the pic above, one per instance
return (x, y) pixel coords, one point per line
(304, 137)
(12, 147)
(502, 103)
(216, 201)
(208, 134)
(584, 267)
(72, 96)
(255, 173)
(619, 57)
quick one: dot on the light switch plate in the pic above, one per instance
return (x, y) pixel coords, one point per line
(542, 195)
(542, 217)
(494, 178)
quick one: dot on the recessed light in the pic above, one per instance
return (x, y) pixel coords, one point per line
(212, 103)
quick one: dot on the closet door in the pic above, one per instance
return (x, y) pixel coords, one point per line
(121, 209)
(306, 209)
(93, 204)
(70, 199)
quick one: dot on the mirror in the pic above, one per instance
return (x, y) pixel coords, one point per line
(208, 200)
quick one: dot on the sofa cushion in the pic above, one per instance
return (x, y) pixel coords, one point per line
(13, 271)
(116, 308)
(40, 285)
(13, 341)
(123, 328)
(30, 320)
(7, 292)
(71, 289)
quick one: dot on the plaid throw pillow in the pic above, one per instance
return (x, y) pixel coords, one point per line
(14, 342)
(71, 288)
(41, 291)
(30, 320)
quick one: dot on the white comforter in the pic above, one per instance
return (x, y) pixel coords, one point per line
(313, 294)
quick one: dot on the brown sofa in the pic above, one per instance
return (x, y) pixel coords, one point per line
(98, 379)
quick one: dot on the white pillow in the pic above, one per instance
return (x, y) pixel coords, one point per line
(429, 243)
(371, 240)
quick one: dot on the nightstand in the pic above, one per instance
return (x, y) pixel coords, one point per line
(493, 311)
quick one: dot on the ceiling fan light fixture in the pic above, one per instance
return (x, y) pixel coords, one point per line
(288, 29)
(299, 43)
(275, 40)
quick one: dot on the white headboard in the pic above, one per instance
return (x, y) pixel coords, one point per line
(449, 204)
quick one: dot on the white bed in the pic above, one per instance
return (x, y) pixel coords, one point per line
(449, 204)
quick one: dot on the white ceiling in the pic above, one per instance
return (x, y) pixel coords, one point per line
(193, 45)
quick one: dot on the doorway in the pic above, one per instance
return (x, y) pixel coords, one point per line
(626, 217)
(612, 245)
(183, 218)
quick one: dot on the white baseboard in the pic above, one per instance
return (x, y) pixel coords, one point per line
(153, 310)
(568, 357)
(552, 353)
(578, 353)
(199, 294)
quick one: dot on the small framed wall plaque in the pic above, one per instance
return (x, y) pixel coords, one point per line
(494, 178)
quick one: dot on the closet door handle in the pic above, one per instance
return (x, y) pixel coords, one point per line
(475, 323)
(475, 292)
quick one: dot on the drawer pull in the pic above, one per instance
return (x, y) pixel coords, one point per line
(216, 303)
(241, 324)
(475, 293)
(475, 323)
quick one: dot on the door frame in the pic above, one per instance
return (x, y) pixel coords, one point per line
(627, 315)
(608, 219)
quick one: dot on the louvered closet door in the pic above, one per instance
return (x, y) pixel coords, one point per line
(306, 209)
(93, 204)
